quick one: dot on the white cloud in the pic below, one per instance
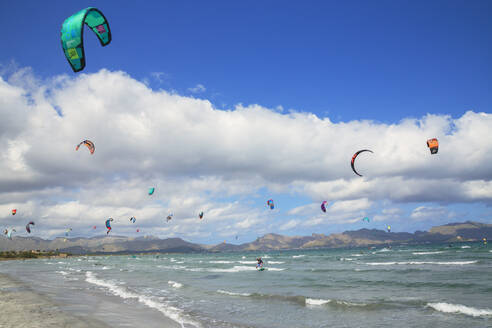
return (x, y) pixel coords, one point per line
(424, 213)
(289, 225)
(199, 88)
(199, 157)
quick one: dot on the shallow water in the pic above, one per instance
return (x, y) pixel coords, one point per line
(406, 286)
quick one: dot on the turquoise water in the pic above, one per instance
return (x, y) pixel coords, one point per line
(406, 286)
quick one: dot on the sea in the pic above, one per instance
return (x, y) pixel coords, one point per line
(402, 286)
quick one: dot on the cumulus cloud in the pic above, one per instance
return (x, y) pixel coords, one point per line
(422, 213)
(202, 158)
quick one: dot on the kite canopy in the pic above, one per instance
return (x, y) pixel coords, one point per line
(323, 206)
(9, 233)
(433, 145)
(200, 215)
(132, 219)
(108, 223)
(169, 217)
(28, 228)
(151, 191)
(389, 228)
(14, 211)
(89, 144)
(270, 203)
(68, 231)
(354, 157)
(366, 219)
(72, 35)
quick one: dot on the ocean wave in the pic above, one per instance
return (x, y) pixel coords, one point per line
(221, 262)
(276, 262)
(275, 269)
(236, 268)
(232, 293)
(357, 255)
(166, 309)
(175, 284)
(422, 262)
(346, 259)
(315, 301)
(460, 309)
(427, 253)
(466, 246)
(318, 302)
(297, 256)
(249, 262)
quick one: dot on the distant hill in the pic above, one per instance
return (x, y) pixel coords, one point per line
(453, 232)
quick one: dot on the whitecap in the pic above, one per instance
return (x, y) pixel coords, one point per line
(315, 301)
(175, 284)
(297, 256)
(232, 293)
(422, 262)
(458, 308)
(166, 309)
(276, 262)
(427, 253)
(275, 269)
(220, 262)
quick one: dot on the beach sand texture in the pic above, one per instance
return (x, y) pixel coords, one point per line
(21, 307)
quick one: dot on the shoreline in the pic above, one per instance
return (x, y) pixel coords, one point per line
(22, 307)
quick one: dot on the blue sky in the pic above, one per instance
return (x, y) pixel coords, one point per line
(382, 61)
(347, 60)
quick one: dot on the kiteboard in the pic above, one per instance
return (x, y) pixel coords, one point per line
(260, 268)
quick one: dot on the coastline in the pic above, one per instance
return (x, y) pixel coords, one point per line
(22, 307)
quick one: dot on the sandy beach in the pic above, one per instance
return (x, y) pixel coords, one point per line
(21, 307)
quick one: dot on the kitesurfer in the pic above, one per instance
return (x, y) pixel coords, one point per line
(260, 262)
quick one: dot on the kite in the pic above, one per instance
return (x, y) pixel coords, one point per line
(9, 233)
(433, 145)
(270, 203)
(200, 215)
(151, 191)
(14, 211)
(389, 228)
(323, 206)
(354, 157)
(132, 219)
(169, 217)
(366, 219)
(89, 144)
(68, 230)
(72, 35)
(28, 228)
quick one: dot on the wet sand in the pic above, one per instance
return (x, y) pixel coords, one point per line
(21, 307)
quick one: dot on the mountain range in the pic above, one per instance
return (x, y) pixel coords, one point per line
(449, 233)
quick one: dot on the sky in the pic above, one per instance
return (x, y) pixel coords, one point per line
(222, 107)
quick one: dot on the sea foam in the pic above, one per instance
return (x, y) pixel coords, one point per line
(225, 292)
(166, 309)
(422, 262)
(460, 309)
(175, 284)
(426, 253)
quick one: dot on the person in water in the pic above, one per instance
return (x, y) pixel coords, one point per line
(260, 262)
